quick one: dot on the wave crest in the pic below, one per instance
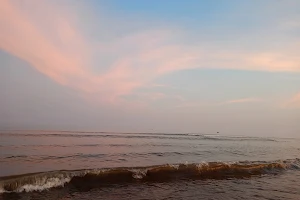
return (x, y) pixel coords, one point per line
(97, 177)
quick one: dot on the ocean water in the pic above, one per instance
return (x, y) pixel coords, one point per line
(98, 165)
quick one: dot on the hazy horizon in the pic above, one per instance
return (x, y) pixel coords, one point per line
(150, 66)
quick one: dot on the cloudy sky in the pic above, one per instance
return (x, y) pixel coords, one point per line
(151, 66)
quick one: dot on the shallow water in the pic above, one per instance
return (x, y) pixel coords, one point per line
(95, 165)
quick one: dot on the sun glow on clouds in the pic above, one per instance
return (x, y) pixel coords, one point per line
(56, 46)
(244, 100)
(294, 102)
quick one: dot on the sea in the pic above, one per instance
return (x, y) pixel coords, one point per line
(69, 165)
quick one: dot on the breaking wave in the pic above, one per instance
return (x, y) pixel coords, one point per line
(88, 178)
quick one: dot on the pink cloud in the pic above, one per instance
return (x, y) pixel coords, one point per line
(155, 96)
(55, 46)
(193, 104)
(243, 100)
(294, 102)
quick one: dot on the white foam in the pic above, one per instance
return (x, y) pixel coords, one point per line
(94, 171)
(174, 166)
(49, 183)
(202, 164)
(139, 173)
(2, 190)
(230, 163)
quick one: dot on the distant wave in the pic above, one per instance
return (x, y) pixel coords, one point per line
(87, 145)
(88, 178)
(9, 158)
(179, 136)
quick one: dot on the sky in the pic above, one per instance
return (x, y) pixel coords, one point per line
(170, 66)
